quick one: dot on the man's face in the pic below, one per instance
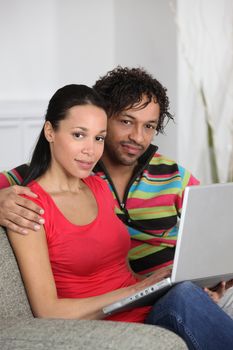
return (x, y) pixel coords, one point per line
(130, 133)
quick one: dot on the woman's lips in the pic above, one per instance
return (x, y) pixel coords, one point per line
(84, 164)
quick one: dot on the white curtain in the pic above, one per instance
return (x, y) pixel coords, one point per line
(205, 87)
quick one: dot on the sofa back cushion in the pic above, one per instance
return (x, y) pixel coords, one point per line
(13, 298)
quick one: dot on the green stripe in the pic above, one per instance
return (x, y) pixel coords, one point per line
(161, 160)
(152, 213)
(146, 249)
(15, 180)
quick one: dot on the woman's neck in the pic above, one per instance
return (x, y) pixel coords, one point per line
(54, 181)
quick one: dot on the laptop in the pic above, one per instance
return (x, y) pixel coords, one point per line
(204, 250)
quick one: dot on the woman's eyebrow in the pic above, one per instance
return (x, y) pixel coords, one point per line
(86, 129)
(80, 127)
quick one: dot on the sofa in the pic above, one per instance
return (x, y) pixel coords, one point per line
(20, 330)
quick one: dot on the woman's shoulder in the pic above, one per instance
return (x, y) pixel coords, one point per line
(98, 185)
(95, 180)
(41, 196)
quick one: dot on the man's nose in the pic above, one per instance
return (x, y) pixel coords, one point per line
(136, 135)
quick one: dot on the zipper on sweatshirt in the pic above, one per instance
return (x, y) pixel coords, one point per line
(143, 162)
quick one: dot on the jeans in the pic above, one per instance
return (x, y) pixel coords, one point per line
(189, 312)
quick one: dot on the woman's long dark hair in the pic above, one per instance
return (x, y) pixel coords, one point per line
(63, 99)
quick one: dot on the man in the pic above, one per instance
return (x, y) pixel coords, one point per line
(148, 188)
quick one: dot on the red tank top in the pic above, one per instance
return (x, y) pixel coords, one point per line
(89, 260)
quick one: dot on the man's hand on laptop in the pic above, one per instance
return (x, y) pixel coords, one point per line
(155, 277)
(217, 292)
(17, 213)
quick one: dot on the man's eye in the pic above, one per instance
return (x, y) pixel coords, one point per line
(150, 126)
(126, 122)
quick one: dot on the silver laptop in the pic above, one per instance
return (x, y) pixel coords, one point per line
(204, 251)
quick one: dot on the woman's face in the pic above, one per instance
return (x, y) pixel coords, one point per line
(78, 143)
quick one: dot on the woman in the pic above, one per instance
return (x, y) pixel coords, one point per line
(68, 266)
(77, 263)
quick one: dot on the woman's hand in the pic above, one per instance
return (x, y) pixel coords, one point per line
(155, 277)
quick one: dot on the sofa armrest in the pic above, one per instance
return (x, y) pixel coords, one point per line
(84, 335)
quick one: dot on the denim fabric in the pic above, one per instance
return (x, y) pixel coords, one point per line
(188, 311)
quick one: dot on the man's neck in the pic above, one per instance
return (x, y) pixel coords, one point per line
(120, 174)
(117, 170)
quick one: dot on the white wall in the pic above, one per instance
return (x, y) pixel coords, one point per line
(146, 36)
(28, 60)
(49, 43)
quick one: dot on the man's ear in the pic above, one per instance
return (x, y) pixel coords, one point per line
(48, 131)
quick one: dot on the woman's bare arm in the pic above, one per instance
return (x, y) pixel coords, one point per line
(33, 259)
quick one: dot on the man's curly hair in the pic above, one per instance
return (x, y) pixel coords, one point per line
(124, 88)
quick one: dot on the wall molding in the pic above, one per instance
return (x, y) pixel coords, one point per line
(23, 108)
(20, 125)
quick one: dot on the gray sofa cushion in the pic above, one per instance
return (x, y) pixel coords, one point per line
(13, 299)
(82, 335)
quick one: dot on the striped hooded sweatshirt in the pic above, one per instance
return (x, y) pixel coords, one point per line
(151, 208)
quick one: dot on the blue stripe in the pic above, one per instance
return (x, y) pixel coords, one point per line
(182, 171)
(172, 233)
(155, 188)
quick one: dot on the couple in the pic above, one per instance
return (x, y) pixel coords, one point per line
(76, 263)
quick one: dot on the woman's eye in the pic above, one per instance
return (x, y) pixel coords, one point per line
(100, 138)
(78, 135)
